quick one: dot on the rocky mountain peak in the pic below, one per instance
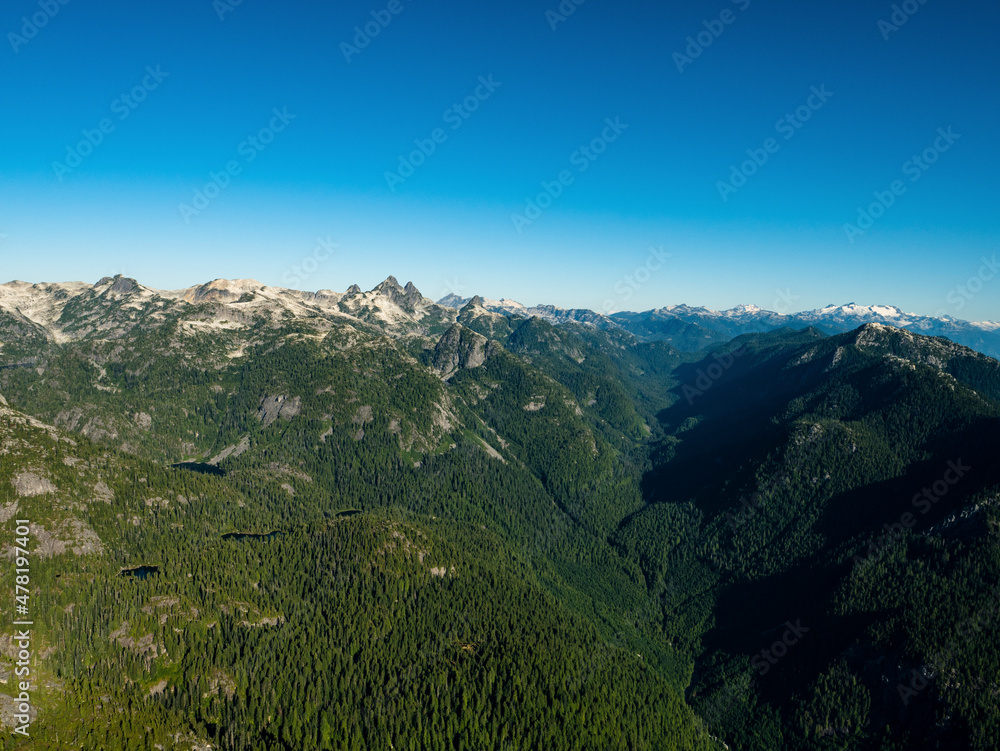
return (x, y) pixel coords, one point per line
(461, 348)
(222, 290)
(405, 297)
(474, 305)
(390, 283)
(119, 284)
(877, 335)
(452, 301)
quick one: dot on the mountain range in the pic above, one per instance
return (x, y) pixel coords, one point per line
(691, 328)
(268, 519)
(686, 328)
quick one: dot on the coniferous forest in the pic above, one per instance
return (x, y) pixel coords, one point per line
(256, 528)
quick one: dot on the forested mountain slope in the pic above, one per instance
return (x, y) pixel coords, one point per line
(848, 485)
(380, 522)
(316, 628)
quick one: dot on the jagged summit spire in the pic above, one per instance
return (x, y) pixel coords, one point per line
(474, 302)
(390, 283)
(391, 286)
(407, 297)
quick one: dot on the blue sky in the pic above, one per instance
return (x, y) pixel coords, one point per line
(723, 155)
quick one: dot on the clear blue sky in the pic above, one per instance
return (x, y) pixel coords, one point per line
(449, 223)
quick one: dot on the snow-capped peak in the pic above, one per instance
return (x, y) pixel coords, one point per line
(745, 309)
(861, 311)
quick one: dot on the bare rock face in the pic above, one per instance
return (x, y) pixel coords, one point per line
(7, 512)
(9, 709)
(103, 492)
(235, 450)
(141, 646)
(72, 535)
(461, 348)
(69, 419)
(97, 429)
(29, 484)
(273, 407)
(68, 536)
(123, 285)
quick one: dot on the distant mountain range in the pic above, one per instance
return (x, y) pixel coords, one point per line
(63, 310)
(690, 328)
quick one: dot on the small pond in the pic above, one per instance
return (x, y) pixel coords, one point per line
(140, 572)
(252, 536)
(200, 468)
